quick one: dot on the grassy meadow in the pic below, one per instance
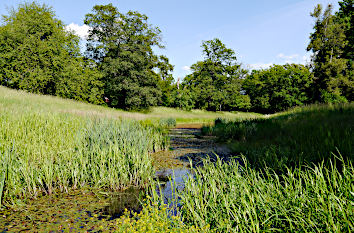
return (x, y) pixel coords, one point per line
(22, 100)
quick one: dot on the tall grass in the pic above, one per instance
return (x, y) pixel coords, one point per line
(301, 135)
(229, 198)
(43, 152)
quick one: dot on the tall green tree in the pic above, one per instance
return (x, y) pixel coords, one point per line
(122, 45)
(330, 64)
(345, 16)
(165, 83)
(216, 81)
(279, 87)
(37, 54)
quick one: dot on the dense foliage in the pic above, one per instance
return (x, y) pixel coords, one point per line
(216, 82)
(279, 87)
(332, 46)
(38, 55)
(122, 45)
(121, 65)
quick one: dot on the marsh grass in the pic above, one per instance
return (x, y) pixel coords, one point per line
(45, 152)
(230, 198)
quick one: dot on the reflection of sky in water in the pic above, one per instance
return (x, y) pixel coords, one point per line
(176, 182)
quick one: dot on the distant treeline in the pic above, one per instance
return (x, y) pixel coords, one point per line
(119, 67)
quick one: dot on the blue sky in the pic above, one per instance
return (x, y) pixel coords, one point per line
(260, 32)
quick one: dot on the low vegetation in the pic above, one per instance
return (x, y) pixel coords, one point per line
(296, 174)
(44, 103)
(299, 136)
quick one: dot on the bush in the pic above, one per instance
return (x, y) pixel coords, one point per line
(167, 122)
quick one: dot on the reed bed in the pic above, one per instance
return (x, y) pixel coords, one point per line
(45, 152)
(228, 198)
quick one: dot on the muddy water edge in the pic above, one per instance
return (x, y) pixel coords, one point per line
(93, 211)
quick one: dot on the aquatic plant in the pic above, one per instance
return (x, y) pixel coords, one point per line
(43, 152)
(168, 122)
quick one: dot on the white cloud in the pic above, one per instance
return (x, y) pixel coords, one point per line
(186, 68)
(81, 31)
(284, 59)
(287, 57)
(258, 66)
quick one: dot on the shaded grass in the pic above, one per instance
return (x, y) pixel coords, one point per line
(301, 135)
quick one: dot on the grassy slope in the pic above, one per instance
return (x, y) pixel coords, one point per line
(301, 135)
(21, 100)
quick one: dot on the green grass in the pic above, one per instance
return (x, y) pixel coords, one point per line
(228, 198)
(44, 149)
(290, 180)
(296, 174)
(302, 135)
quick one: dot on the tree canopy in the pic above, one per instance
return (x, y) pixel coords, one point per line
(279, 87)
(122, 45)
(121, 66)
(40, 56)
(216, 81)
(332, 62)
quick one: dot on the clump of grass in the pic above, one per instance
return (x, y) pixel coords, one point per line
(167, 122)
(301, 135)
(230, 198)
(45, 152)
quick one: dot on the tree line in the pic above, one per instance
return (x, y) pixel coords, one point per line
(119, 67)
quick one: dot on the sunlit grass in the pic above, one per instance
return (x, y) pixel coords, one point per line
(43, 151)
(22, 100)
(230, 198)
